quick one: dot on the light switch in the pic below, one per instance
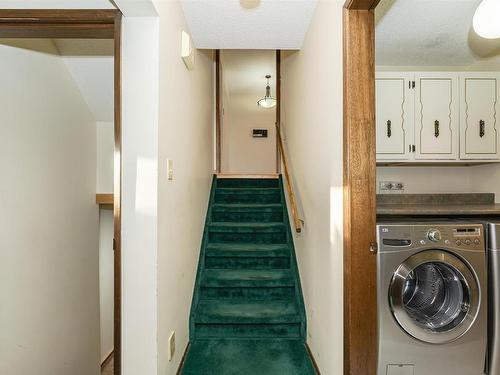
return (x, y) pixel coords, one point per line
(171, 346)
(170, 169)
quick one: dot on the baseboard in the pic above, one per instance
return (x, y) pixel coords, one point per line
(316, 368)
(183, 359)
(107, 359)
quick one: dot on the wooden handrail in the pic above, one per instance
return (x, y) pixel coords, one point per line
(293, 203)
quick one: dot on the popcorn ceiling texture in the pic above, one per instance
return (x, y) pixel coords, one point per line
(430, 33)
(264, 24)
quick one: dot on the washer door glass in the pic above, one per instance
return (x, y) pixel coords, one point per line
(434, 296)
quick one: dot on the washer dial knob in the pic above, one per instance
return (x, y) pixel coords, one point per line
(434, 235)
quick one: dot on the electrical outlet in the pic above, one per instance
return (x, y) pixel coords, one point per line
(171, 346)
(391, 187)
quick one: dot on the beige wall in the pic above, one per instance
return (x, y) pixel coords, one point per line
(185, 136)
(242, 153)
(312, 121)
(244, 84)
(49, 279)
(422, 179)
(452, 179)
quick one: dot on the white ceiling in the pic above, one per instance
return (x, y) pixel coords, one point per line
(430, 33)
(90, 62)
(248, 24)
(56, 4)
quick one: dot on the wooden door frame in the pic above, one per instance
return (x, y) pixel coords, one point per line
(359, 170)
(83, 24)
(218, 111)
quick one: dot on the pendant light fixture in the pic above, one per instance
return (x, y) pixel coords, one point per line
(267, 101)
(486, 20)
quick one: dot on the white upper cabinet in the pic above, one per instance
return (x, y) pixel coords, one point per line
(394, 119)
(479, 133)
(436, 116)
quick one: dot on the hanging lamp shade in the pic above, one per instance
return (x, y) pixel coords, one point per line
(267, 101)
(486, 21)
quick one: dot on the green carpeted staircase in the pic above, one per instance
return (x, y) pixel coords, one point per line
(247, 294)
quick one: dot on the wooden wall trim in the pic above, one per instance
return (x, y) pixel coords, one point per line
(278, 108)
(68, 16)
(361, 4)
(117, 215)
(360, 270)
(57, 23)
(218, 114)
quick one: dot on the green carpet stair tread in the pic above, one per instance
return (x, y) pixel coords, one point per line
(237, 312)
(234, 250)
(247, 357)
(247, 278)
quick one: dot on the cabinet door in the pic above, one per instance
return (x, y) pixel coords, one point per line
(436, 116)
(394, 120)
(478, 120)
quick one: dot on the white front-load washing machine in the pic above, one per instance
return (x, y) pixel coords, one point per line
(432, 298)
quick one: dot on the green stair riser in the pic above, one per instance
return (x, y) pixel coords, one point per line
(247, 183)
(247, 198)
(247, 262)
(246, 331)
(246, 278)
(248, 216)
(249, 238)
(248, 294)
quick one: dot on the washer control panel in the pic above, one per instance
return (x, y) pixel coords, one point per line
(467, 236)
(439, 235)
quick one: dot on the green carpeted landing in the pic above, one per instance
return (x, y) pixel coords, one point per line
(247, 315)
(248, 357)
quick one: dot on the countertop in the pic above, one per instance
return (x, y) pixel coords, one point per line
(437, 204)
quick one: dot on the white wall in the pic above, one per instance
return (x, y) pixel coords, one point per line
(422, 179)
(185, 136)
(242, 153)
(104, 184)
(243, 79)
(106, 281)
(139, 194)
(313, 130)
(49, 222)
(105, 157)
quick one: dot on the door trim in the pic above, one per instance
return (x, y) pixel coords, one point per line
(83, 24)
(359, 175)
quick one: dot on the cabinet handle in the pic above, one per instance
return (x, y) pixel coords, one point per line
(436, 128)
(389, 130)
(481, 128)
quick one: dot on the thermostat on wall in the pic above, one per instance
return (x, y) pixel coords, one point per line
(259, 133)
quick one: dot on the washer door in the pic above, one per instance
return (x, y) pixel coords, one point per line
(434, 296)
